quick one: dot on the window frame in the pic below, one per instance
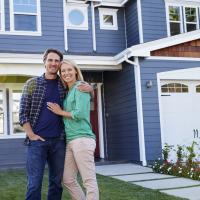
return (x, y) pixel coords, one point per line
(182, 6)
(22, 32)
(108, 11)
(2, 14)
(184, 15)
(83, 8)
(168, 19)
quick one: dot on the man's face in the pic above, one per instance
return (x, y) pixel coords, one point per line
(52, 63)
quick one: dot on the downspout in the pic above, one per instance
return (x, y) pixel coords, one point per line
(138, 89)
(93, 27)
(65, 27)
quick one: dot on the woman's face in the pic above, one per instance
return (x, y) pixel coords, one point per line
(68, 73)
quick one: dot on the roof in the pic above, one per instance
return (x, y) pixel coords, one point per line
(117, 3)
(145, 49)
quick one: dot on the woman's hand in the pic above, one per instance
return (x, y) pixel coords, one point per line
(55, 108)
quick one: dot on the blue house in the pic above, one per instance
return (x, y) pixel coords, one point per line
(143, 56)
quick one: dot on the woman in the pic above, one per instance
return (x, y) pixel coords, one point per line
(80, 138)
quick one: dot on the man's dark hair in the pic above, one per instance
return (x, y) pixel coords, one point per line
(52, 51)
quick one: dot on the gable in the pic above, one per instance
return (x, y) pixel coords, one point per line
(187, 49)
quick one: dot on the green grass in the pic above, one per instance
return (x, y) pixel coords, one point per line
(13, 187)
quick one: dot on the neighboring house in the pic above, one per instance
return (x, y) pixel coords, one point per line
(143, 56)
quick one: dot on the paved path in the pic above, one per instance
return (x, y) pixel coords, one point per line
(144, 176)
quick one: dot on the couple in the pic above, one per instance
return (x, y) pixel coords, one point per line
(44, 106)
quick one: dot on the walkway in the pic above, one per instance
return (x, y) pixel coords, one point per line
(144, 176)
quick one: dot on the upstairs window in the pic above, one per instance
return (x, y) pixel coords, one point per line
(108, 19)
(191, 22)
(25, 15)
(182, 17)
(175, 20)
(77, 16)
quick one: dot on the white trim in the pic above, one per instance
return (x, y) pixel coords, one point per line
(172, 58)
(138, 90)
(2, 16)
(93, 27)
(4, 111)
(160, 110)
(11, 87)
(65, 25)
(83, 8)
(184, 2)
(100, 120)
(140, 24)
(12, 26)
(144, 50)
(108, 11)
(168, 20)
(197, 17)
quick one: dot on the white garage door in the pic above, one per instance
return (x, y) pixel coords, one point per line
(180, 112)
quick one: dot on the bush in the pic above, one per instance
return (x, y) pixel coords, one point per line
(188, 169)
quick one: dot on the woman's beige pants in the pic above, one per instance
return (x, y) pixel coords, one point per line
(80, 157)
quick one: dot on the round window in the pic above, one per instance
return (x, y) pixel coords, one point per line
(76, 17)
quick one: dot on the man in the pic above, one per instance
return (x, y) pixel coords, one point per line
(45, 131)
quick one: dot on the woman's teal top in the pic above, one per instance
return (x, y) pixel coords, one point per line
(78, 104)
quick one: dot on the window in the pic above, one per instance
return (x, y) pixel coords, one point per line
(198, 88)
(174, 88)
(175, 20)
(77, 16)
(182, 17)
(16, 94)
(190, 19)
(25, 15)
(108, 19)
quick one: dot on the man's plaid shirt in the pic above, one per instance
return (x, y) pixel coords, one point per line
(33, 95)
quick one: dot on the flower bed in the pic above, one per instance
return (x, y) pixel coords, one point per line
(186, 164)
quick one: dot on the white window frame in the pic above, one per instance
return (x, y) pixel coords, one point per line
(5, 113)
(197, 16)
(182, 4)
(2, 10)
(38, 21)
(83, 8)
(108, 11)
(13, 87)
(168, 20)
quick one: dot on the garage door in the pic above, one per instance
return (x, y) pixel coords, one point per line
(180, 112)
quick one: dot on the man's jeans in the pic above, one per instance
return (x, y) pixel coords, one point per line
(51, 151)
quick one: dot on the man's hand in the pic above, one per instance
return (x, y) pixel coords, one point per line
(34, 137)
(85, 87)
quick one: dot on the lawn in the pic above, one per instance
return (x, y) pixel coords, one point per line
(13, 186)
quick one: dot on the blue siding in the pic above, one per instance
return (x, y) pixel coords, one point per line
(149, 70)
(12, 153)
(121, 115)
(111, 41)
(80, 41)
(132, 28)
(52, 31)
(153, 19)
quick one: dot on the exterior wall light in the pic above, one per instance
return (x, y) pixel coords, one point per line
(149, 84)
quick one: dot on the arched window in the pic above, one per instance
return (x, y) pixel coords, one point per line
(198, 88)
(174, 88)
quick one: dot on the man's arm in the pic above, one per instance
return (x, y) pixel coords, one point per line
(86, 87)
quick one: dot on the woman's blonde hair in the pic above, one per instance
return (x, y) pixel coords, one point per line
(79, 76)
